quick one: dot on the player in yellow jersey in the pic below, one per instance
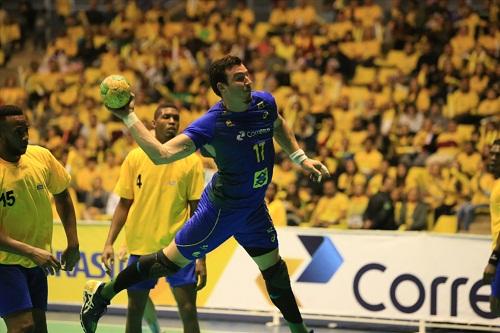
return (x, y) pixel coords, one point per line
(491, 273)
(155, 201)
(28, 176)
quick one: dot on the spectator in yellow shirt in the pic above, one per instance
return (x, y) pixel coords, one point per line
(469, 159)
(331, 208)
(490, 105)
(357, 206)
(481, 185)
(462, 42)
(369, 159)
(350, 177)
(284, 173)
(448, 142)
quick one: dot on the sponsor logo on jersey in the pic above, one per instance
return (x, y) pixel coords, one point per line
(249, 134)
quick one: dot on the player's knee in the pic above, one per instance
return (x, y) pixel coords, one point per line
(277, 278)
(187, 311)
(156, 265)
(24, 327)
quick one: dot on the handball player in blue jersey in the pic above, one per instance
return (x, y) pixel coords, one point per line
(237, 133)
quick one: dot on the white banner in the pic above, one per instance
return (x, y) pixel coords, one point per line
(406, 276)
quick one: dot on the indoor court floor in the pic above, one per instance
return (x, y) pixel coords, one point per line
(59, 322)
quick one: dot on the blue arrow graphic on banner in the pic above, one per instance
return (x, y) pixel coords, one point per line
(325, 259)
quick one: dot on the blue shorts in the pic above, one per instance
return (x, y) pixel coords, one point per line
(495, 285)
(211, 226)
(21, 289)
(183, 277)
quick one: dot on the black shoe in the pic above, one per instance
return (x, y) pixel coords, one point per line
(94, 306)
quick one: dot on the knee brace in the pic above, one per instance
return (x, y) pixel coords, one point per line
(156, 265)
(277, 279)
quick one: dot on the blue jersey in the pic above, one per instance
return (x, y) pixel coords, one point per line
(241, 143)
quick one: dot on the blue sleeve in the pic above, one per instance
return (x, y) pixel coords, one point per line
(202, 130)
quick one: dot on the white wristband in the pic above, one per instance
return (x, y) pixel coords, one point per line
(130, 119)
(298, 156)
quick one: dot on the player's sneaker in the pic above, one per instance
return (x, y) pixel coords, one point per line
(94, 306)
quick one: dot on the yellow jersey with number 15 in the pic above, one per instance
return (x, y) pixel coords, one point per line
(161, 194)
(25, 200)
(495, 211)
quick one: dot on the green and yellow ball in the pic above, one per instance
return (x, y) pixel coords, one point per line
(115, 91)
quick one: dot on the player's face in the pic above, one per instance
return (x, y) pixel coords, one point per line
(14, 136)
(239, 85)
(166, 124)
(494, 162)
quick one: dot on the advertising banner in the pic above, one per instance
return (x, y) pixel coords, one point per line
(390, 275)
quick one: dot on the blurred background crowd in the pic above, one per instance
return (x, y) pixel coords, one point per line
(398, 98)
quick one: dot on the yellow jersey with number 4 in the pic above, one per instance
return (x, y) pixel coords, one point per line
(25, 200)
(160, 194)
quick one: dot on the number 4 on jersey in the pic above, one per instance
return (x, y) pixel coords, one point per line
(139, 181)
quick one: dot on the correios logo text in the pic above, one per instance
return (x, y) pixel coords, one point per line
(325, 259)
(249, 134)
(441, 289)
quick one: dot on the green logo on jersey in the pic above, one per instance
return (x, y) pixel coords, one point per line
(260, 178)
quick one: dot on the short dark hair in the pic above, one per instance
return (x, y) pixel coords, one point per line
(163, 106)
(217, 71)
(9, 110)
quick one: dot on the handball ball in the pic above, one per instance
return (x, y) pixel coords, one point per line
(115, 91)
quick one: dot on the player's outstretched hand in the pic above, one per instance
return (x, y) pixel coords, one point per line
(201, 273)
(46, 261)
(124, 111)
(489, 273)
(316, 169)
(69, 258)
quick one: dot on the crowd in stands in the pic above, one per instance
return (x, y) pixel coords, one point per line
(400, 103)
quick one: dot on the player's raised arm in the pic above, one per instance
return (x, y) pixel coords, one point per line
(283, 134)
(175, 149)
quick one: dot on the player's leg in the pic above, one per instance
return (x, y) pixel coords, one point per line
(495, 294)
(199, 235)
(40, 321)
(150, 316)
(37, 281)
(135, 310)
(152, 266)
(16, 307)
(190, 242)
(183, 285)
(138, 295)
(275, 274)
(260, 240)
